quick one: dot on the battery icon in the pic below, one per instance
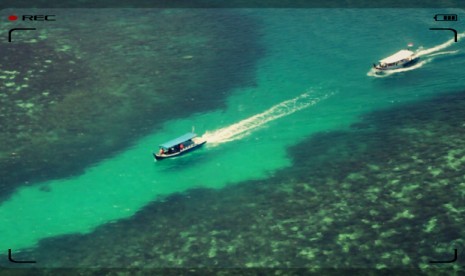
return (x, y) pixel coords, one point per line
(445, 17)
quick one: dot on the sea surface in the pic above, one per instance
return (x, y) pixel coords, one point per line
(312, 105)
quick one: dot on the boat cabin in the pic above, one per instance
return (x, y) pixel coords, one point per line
(403, 58)
(177, 144)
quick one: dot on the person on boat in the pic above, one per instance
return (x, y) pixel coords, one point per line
(181, 147)
(162, 151)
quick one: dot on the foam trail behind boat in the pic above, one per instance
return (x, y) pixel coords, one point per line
(443, 53)
(246, 126)
(439, 47)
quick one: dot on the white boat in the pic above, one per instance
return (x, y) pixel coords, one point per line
(401, 59)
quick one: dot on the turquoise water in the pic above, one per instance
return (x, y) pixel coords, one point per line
(313, 78)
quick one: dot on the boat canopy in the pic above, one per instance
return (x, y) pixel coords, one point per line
(178, 140)
(402, 54)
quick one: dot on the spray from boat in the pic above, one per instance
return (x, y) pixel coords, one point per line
(440, 47)
(426, 56)
(247, 126)
(444, 53)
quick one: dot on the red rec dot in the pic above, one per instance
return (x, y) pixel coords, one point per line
(12, 17)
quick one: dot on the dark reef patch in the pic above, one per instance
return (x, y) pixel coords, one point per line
(390, 195)
(76, 93)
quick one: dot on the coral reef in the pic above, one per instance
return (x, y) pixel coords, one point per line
(76, 94)
(386, 195)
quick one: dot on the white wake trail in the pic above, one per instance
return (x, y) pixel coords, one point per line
(246, 126)
(443, 53)
(440, 47)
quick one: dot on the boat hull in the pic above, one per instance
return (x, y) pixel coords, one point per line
(166, 156)
(381, 70)
(412, 62)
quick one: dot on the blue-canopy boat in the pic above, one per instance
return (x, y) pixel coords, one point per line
(176, 147)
